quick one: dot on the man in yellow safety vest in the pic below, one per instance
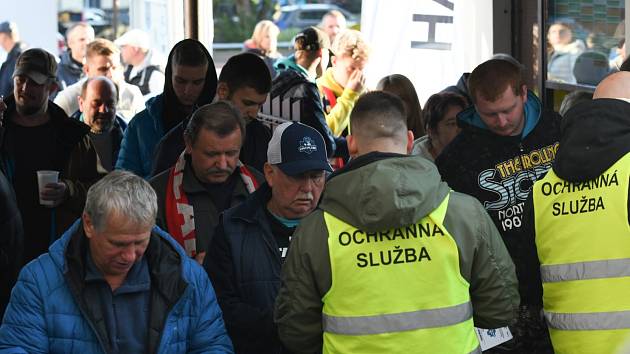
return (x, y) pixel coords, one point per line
(392, 261)
(580, 227)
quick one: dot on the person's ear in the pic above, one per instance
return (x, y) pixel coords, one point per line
(81, 101)
(269, 172)
(223, 92)
(88, 227)
(189, 144)
(410, 138)
(353, 149)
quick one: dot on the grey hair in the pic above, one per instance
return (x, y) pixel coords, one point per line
(121, 192)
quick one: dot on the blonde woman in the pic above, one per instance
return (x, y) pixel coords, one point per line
(264, 43)
(341, 85)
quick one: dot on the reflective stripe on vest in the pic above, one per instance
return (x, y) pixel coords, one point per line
(397, 290)
(583, 244)
(588, 321)
(399, 321)
(609, 268)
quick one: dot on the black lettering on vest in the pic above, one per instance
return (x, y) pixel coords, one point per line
(424, 229)
(346, 236)
(412, 231)
(373, 263)
(424, 254)
(398, 253)
(358, 240)
(361, 261)
(398, 233)
(373, 235)
(385, 234)
(546, 189)
(556, 209)
(410, 255)
(437, 230)
(388, 260)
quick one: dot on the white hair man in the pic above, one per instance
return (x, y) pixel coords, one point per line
(115, 283)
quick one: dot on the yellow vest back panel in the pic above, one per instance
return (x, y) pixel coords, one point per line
(583, 243)
(397, 290)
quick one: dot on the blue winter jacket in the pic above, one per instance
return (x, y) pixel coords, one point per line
(142, 135)
(50, 313)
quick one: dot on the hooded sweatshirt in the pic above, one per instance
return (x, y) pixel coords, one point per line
(500, 170)
(381, 191)
(163, 113)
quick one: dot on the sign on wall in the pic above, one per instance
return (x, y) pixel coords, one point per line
(432, 42)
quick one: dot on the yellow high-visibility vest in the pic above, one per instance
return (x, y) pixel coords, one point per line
(583, 242)
(397, 291)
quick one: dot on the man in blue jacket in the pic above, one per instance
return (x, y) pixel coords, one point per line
(114, 283)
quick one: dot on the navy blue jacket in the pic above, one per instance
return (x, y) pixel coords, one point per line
(69, 70)
(7, 68)
(244, 264)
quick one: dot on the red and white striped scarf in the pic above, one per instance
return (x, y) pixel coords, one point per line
(180, 216)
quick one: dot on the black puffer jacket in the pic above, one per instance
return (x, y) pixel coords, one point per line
(293, 84)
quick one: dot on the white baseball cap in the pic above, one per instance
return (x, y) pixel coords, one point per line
(136, 38)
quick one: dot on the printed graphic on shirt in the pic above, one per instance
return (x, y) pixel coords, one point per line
(284, 250)
(512, 181)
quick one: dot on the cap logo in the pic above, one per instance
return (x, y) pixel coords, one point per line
(307, 145)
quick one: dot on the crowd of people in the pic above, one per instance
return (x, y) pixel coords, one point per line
(178, 221)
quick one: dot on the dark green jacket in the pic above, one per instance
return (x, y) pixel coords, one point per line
(378, 192)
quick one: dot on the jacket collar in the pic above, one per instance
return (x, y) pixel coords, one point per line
(167, 283)
(469, 118)
(252, 210)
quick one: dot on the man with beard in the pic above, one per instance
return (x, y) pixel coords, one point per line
(39, 136)
(97, 108)
(207, 178)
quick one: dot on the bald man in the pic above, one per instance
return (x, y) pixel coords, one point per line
(578, 226)
(97, 107)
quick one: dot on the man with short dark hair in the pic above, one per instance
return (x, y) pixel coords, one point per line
(10, 42)
(507, 142)
(70, 67)
(252, 239)
(207, 179)
(392, 261)
(39, 136)
(114, 283)
(245, 82)
(191, 82)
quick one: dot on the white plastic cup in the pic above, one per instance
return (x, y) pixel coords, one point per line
(43, 178)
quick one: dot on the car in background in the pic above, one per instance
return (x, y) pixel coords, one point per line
(306, 15)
